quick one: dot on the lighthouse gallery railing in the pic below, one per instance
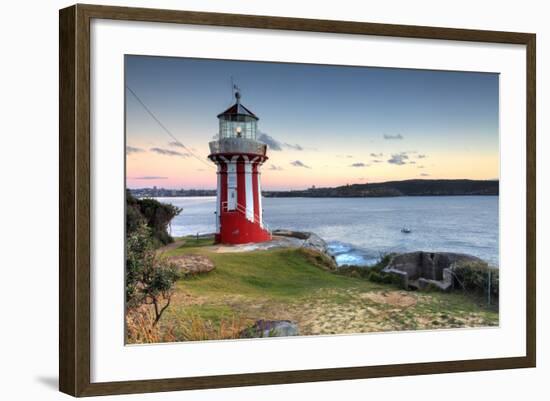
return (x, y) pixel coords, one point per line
(238, 145)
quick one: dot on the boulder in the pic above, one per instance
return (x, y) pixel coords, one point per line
(271, 328)
(190, 265)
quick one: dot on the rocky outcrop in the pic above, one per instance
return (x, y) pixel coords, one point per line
(316, 243)
(424, 269)
(191, 265)
(310, 241)
(292, 234)
(271, 328)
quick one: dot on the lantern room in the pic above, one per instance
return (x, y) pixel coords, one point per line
(238, 122)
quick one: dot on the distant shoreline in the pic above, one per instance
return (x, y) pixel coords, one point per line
(388, 189)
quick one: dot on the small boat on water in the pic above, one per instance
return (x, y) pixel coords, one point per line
(406, 230)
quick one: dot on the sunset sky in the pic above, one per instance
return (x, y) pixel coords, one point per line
(324, 125)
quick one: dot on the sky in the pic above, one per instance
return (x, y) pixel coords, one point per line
(324, 125)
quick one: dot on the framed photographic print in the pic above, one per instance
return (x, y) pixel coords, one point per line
(250, 200)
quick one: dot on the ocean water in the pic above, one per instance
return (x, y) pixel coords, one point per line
(360, 230)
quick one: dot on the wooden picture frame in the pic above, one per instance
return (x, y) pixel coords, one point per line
(75, 207)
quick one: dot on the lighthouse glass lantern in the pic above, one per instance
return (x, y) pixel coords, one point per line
(238, 122)
(238, 156)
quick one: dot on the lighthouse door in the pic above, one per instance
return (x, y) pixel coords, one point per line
(232, 186)
(231, 199)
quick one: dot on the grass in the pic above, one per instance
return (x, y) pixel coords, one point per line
(282, 274)
(294, 284)
(192, 242)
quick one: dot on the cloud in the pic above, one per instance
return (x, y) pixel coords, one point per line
(376, 154)
(150, 177)
(274, 144)
(345, 156)
(298, 163)
(168, 152)
(412, 162)
(420, 166)
(424, 175)
(390, 137)
(275, 168)
(271, 142)
(421, 156)
(176, 144)
(398, 158)
(359, 165)
(131, 150)
(293, 147)
(376, 161)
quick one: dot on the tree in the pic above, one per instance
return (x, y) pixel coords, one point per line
(149, 278)
(155, 214)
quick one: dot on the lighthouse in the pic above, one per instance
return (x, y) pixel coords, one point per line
(238, 156)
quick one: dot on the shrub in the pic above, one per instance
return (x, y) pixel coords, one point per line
(373, 273)
(382, 278)
(474, 277)
(149, 278)
(155, 214)
(134, 218)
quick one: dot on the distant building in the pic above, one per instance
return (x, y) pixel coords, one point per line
(238, 156)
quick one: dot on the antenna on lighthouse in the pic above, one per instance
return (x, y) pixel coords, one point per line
(237, 95)
(235, 90)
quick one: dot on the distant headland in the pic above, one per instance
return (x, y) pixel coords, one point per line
(461, 187)
(397, 188)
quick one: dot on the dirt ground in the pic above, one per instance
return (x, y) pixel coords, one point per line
(359, 312)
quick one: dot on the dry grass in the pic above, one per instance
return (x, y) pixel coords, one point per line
(140, 328)
(195, 328)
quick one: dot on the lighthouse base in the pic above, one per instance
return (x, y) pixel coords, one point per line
(236, 229)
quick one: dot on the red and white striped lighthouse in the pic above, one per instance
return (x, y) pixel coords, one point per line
(238, 156)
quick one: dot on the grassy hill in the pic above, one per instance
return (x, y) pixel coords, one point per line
(293, 284)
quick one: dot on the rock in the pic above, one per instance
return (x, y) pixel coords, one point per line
(192, 264)
(310, 241)
(270, 328)
(289, 239)
(424, 269)
(316, 243)
(292, 234)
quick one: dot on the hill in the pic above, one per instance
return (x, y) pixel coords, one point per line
(397, 188)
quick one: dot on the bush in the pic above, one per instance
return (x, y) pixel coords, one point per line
(474, 277)
(373, 273)
(149, 278)
(155, 214)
